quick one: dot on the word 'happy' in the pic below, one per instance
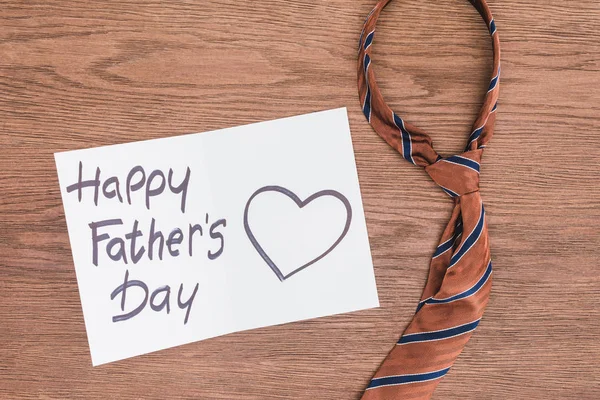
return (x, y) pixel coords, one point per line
(111, 187)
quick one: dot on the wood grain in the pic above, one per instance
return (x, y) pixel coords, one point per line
(77, 74)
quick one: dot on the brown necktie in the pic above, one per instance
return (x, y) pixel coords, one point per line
(459, 281)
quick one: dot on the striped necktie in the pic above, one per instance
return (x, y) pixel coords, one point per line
(459, 281)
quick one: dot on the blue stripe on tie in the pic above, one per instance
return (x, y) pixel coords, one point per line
(441, 249)
(404, 379)
(439, 335)
(475, 135)
(421, 304)
(470, 240)
(465, 162)
(406, 141)
(444, 247)
(369, 39)
(367, 106)
(492, 27)
(495, 107)
(367, 62)
(449, 192)
(493, 82)
(362, 33)
(458, 226)
(467, 293)
(447, 245)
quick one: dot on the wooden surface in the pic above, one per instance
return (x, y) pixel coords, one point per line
(76, 74)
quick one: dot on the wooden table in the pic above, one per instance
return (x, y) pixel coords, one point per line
(76, 74)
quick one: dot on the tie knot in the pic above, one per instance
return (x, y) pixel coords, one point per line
(457, 175)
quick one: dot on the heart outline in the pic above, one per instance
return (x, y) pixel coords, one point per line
(301, 204)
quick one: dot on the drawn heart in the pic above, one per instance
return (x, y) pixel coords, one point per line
(301, 204)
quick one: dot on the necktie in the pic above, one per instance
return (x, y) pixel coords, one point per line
(459, 281)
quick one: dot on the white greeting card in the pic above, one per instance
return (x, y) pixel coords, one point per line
(185, 238)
